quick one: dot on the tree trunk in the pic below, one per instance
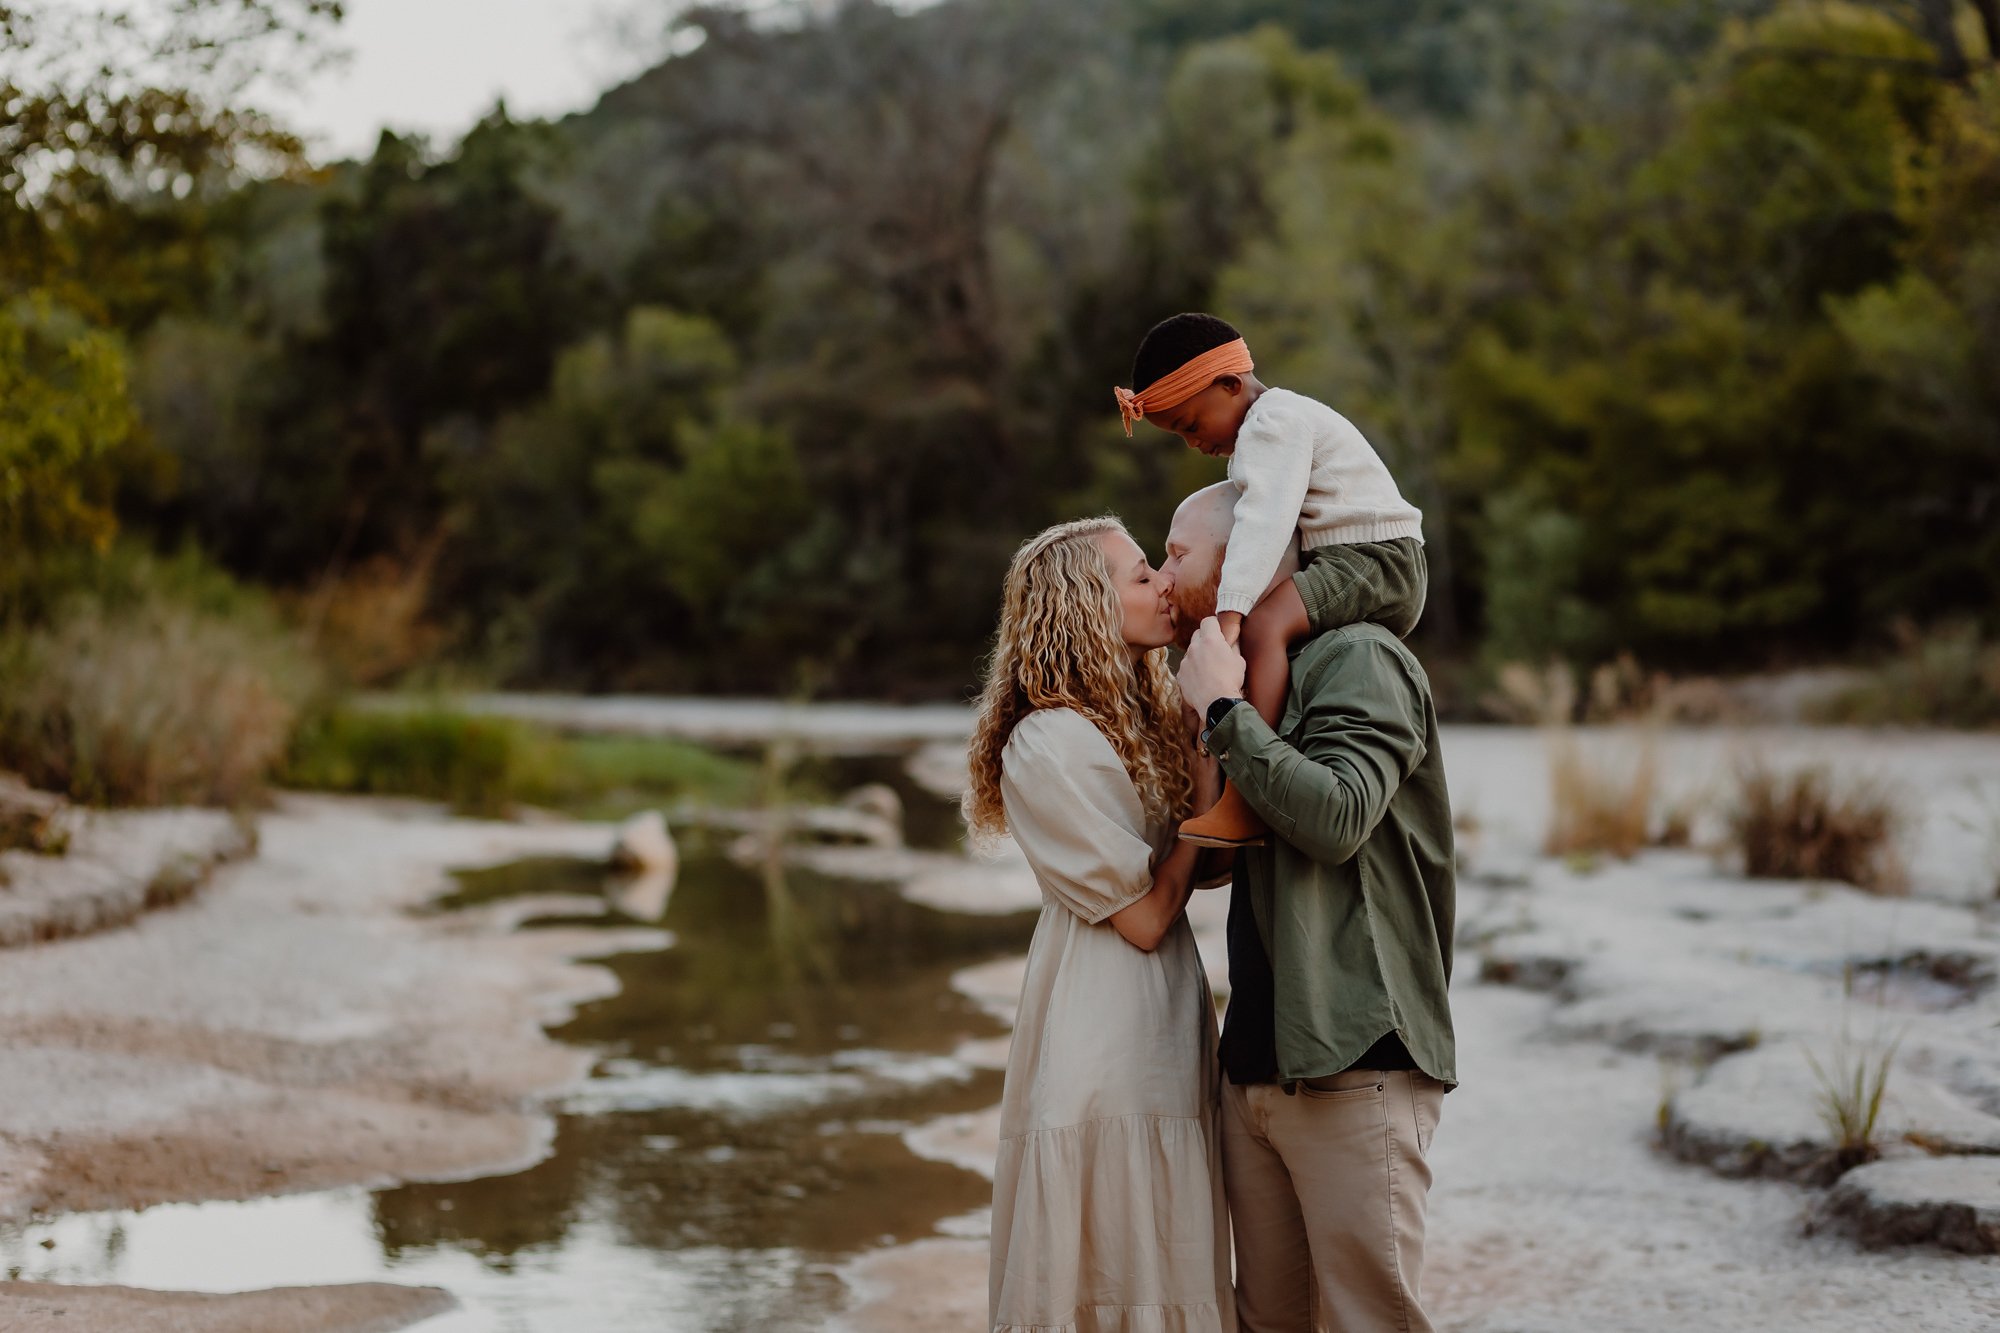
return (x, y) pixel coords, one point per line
(1989, 21)
(1937, 22)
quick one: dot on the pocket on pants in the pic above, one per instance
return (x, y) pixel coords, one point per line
(1426, 1107)
(1342, 1087)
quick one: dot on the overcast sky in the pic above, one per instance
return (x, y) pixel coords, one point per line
(436, 66)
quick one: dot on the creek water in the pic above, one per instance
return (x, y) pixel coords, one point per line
(741, 1134)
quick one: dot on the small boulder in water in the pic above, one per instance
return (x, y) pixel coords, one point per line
(877, 799)
(643, 843)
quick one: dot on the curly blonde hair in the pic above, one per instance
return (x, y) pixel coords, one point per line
(1059, 646)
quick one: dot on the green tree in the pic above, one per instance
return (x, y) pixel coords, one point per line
(65, 425)
(1362, 297)
(1674, 381)
(1925, 344)
(124, 127)
(635, 527)
(443, 292)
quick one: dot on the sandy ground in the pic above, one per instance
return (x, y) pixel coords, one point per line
(1556, 1209)
(295, 1027)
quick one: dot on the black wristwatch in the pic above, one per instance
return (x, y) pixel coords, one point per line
(1216, 712)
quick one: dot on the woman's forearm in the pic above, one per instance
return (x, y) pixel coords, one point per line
(1146, 922)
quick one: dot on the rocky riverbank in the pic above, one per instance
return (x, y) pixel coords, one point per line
(294, 1027)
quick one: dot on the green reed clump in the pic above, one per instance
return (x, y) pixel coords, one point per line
(478, 765)
(487, 765)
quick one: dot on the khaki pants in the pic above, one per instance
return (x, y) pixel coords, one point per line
(1326, 1199)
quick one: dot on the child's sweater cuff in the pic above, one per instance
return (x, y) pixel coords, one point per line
(1238, 602)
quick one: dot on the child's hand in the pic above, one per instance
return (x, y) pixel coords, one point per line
(1232, 626)
(1211, 669)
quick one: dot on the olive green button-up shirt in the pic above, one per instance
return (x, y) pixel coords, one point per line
(1341, 927)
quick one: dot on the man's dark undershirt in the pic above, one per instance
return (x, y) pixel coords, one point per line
(1249, 1038)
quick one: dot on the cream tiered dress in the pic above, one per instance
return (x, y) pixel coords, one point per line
(1108, 1213)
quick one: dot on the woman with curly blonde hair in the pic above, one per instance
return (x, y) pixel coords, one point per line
(1108, 1212)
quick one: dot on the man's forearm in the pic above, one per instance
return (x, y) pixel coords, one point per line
(1326, 799)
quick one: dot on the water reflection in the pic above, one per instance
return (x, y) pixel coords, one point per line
(753, 1076)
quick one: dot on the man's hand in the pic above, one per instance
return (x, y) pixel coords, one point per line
(1212, 669)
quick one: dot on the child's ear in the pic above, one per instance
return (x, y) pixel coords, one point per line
(1230, 384)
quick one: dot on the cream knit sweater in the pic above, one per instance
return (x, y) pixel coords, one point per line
(1301, 465)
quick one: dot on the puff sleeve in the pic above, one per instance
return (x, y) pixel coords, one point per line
(1075, 814)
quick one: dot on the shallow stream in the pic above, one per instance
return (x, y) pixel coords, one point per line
(742, 1132)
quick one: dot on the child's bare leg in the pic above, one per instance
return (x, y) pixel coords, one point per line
(1271, 628)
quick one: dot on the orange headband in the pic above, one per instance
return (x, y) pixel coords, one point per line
(1231, 358)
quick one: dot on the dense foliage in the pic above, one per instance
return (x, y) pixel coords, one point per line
(1679, 318)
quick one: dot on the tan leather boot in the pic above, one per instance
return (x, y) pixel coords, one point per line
(1230, 822)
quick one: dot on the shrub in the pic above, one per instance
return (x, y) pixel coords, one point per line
(370, 624)
(1599, 803)
(1948, 677)
(1804, 827)
(150, 700)
(478, 764)
(607, 777)
(484, 765)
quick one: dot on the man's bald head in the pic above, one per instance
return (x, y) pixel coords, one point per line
(1206, 516)
(1196, 545)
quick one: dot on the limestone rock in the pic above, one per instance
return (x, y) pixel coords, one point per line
(118, 864)
(644, 843)
(878, 800)
(1951, 1202)
(1762, 1114)
(33, 821)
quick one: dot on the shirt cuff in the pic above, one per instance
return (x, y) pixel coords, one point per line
(1234, 601)
(1227, 734)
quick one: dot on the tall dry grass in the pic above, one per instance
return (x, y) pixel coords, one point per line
(371, 624)
(153, 702)
(1805, 825)
(1601, 795)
